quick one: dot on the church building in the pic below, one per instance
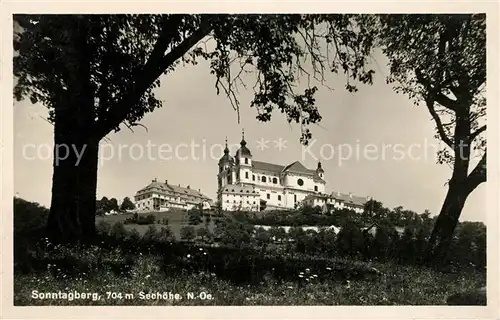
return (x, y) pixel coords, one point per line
(248, 184)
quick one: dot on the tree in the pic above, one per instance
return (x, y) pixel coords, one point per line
(113, 204)
(440, 61)
(127, 204)
(96, 72)
(372, 208)
(195, 216)
(263, 238)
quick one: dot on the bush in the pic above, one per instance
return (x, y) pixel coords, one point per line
(118, 231)
(142, 220)
(203, 233)
(29, 216)
(166, 235)
(187, 233)
(134, 235)
(151, 235)
(103, 227)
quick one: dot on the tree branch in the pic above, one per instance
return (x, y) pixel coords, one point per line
(477, 176)
(434, 92)
(477, 132)
(439, 124)
(152, 70)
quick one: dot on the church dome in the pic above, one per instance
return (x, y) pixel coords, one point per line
(226, 158)
(243, 150)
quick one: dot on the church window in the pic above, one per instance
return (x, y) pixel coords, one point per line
(316, 188)
(279, 197)
(300, 182)
(246, 160)
(268, 196)
(263, 179)
(253, 177)
(275, 181)
(246, 175)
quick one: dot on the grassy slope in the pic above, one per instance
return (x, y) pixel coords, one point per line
(115, 271)
(176, 220)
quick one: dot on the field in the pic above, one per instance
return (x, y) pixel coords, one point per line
(122, 268)
(176, 220)
(120, 279)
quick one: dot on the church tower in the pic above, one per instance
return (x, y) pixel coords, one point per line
(243, 160)
(320, 171)
(225, 175)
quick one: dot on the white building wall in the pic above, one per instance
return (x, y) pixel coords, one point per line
(245, 174)
(232, 201)
(276, 196)
(291, 181)
(269, 179)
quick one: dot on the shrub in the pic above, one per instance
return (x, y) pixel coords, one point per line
(203, 233)
(166, 235)
(118, 231)
(151, 235)
(262, 237)
(103, 227)
(187, 233)
(142, 220)
(134, 235)
(29, 216)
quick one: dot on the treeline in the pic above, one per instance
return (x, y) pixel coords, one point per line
(374, 213)
(379, 233)
(107, 205)
(393, 236)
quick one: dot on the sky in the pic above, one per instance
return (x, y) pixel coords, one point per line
(374, 142)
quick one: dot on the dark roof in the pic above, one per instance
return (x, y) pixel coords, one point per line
(226, 158)
(243, 150)
(293, 167)
(265, 166)
(298, 167)
(173, 188)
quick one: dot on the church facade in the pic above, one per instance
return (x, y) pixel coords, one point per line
(248, 184)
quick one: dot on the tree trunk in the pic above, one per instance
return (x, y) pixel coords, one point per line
(442, 233)
(74, 180)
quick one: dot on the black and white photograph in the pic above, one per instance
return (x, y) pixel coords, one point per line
(250, 159)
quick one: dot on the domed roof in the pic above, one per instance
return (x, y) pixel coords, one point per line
(243, 150)
(226, 157)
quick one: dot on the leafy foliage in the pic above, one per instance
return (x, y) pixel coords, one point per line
(106, 205)
(188, 233)
(127, 204)
(28, 216)
(124, 55)
(440, 60)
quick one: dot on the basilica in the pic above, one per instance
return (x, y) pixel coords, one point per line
(251, 185)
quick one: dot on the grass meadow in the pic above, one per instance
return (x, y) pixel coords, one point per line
(122, 267)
